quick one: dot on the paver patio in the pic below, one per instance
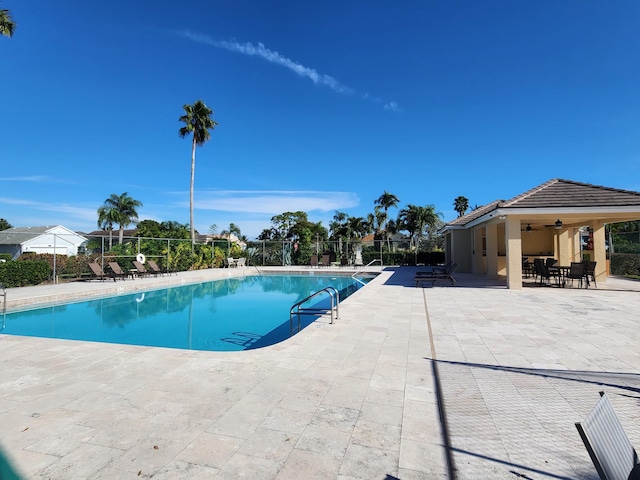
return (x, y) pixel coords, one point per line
(470, 382)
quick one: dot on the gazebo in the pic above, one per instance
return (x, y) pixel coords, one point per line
(563, 219)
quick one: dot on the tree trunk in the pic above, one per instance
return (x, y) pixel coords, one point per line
(193, 176)
(121, 235)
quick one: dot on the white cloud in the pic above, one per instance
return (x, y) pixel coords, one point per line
(272, 56)
(275, 202)
(393, 106)
(34, 178)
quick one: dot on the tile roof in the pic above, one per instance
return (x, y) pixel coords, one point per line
(558, 193)
(567, 193)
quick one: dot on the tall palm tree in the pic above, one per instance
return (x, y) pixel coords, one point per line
(386, 201)
(106, 218)
(461, 205)
(7, 25)
(120, 209)
(198, 122)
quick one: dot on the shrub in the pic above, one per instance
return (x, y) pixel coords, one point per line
(26, 272)
(6, 256)
(625, 264)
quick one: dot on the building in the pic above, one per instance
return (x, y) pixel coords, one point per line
(58, 239)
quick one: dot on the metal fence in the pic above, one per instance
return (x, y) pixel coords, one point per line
(69, 254)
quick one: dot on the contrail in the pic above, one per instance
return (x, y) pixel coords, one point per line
(272, 56)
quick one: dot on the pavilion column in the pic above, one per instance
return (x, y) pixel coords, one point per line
(575, 245)
(514, 253)
(599, 250)
(478, 258)
(492, 250)
(563, 248)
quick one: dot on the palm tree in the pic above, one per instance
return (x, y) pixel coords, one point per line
(386, 201)
(7, 25)
(120, 209)
(198, 121)
(461, 205)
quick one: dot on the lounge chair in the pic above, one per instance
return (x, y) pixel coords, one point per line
(313, 262)
(446, 274)
(153, 266)
(607, 443)
(97, 271)
(142, 271)
(241, 262)
(326, 260)
(117, 271)
(344, 262)
(231, 263)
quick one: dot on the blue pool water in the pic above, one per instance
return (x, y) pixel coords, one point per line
(221, 315)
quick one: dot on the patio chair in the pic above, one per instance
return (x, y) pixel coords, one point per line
(241, 262)
(97, 271)
(153, 266)
(313, 261)
(607, 443)
(576, 272)
(590, 272)
(117, 271)
(543, 271)
(231, 263)
(326, 260)
(344, 262)
(142, 271)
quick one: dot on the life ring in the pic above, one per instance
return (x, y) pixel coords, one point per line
(141, 258)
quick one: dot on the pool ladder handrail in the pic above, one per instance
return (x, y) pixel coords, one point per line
(362, 270)
(335, 301)
(4, 304)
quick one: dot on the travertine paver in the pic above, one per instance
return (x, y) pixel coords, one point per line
(511, 371)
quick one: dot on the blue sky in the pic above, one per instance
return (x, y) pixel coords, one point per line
(321, 106)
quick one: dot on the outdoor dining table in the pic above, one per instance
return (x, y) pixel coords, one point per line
(562, 271)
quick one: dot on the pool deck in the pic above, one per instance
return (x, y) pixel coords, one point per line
(471, 382)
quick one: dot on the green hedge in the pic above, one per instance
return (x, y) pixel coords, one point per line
(6, 256)
(625, 264)
(20, 274)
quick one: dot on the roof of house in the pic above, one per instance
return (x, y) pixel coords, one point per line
(20, 235)
(105, 233)
(558, 193)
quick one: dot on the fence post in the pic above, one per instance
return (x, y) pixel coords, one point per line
(55, 273)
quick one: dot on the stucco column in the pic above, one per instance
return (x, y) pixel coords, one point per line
(513, 241)
(575, 245)
(563, 251)
(599, 251)
(492, 250)
(478, 261)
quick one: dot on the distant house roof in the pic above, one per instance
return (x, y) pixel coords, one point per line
(556, 194)
(105, 233)
(20, 235)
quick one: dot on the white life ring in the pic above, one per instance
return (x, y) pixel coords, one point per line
(141, 258)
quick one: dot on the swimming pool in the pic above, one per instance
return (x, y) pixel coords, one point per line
(223, 315)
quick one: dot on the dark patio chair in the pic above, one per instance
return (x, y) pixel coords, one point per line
(590, 272)
(313, 262)
(543, 271)
(576, 272)
(607, 443)
(326, 260)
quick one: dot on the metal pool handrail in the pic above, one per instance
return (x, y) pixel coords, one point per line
(4, 300)
(362, 270)
(335, 300)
